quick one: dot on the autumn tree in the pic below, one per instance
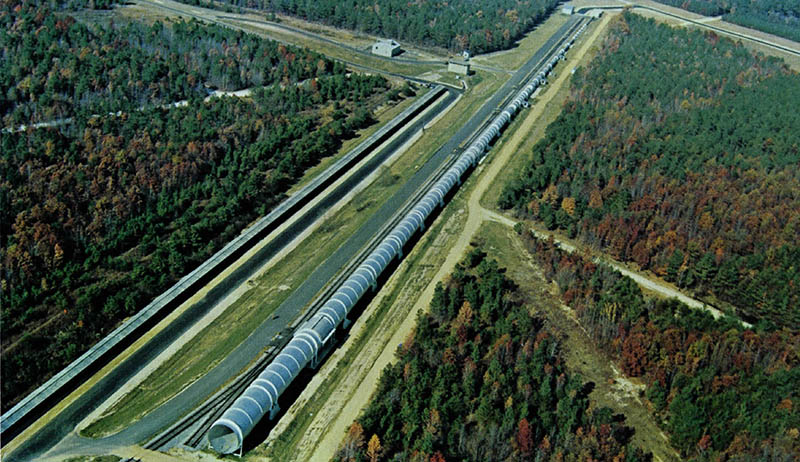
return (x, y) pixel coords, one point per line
(374, 448)
(353, 442)
(691, 180)
(524, 438)
(470, 396)
(108, 207)
(720, 389)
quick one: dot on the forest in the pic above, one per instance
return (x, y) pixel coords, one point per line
(455, 25)
(722, 392)
(677, 151)
(778, 17)
(100, 216)
(481, 379)
(56, 67)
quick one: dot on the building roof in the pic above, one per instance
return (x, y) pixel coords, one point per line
(388, 42)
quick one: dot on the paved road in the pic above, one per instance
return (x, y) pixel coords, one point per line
(257, 341)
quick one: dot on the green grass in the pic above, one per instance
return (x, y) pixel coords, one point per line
(383, 116)
(451, 79)
(93, 459)
(204, 351)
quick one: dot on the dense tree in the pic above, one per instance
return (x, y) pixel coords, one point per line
(55, 67)
(721, 391)
(779, 17)
(456, 25)
(480, 379)
(680, 151)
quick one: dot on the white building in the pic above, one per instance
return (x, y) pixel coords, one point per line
(387, 48)
(568, 9)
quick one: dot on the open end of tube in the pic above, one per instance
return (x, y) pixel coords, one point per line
(223, 439)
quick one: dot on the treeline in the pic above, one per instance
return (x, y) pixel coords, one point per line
(98, 219)
(456, 25)
(721, 391)
(678, 150)
(779, 17)
(55, 67)
(481, 379)
(75, 5)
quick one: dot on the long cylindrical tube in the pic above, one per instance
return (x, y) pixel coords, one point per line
(261, 397)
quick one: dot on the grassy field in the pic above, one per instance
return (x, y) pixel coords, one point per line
(383, 115)
(199, 355)
(94, 459)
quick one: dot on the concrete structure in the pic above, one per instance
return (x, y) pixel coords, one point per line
(387, 48)
(568, 9)
(596, 13)
(458, 67)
